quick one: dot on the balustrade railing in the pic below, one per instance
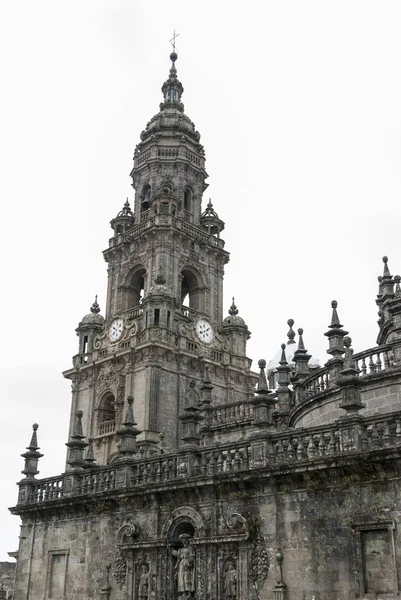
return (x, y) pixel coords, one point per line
(374, 360)
(373, 434)
(231, 413)
(367, 362)
(107, 427)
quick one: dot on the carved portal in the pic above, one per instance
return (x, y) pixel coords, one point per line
(189, 560)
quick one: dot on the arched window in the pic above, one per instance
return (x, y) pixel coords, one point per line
(188, 200)
(145, 200)
(192, 293)
(136, 289)
(106, 416)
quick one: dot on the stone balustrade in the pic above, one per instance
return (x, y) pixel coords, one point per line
(285, 449)
(239, 412)
(107, 427)
(374, 360)
(367, 362)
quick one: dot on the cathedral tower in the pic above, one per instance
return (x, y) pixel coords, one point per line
(164, 306)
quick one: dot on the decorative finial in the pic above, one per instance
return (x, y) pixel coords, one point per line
(291, 332)
(386, 271)
(262, 383)
(78, 431)
(129, 417)
(301, 345)
(335, 321)
(283, 359)
(32, 456)
(34, 439)
(76, 445)
(233, 310)
(95, 308)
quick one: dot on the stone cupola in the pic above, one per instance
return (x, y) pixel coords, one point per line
(91, 325)
(169, 161)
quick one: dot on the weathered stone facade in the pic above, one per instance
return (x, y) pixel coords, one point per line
(187, 477)
(7, 573)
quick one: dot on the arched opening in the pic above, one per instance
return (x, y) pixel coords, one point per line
(192, 293)
(188, 200)
(145, 199)
(106, 415)
(136, 289)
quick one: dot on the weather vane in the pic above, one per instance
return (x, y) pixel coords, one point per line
(172, 41)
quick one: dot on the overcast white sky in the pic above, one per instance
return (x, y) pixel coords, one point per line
(298, 105)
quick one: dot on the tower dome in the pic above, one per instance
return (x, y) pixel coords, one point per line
(169, 161)
(93, 317)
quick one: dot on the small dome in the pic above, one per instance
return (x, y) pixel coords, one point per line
(233, 319)
(94, 317)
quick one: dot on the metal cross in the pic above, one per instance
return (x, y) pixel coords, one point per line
(172, 41)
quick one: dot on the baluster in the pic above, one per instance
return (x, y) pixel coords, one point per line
(219, 463)
(322, 445)
(378, 362)
(157, 471)
(375, 437)
(363, 367)
(237, 460)
(372, 366)
(385, 359)
(279, 452)
(311, 449)
(386, 436)
(196, 465)
(211, 464)
(203, 464)
(245, 460)
(398, 432)
(290, 450)
(228, 461)
(327, 382)
(301, 455)
(330, 450)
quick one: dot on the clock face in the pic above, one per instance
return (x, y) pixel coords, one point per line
(116, 330)
(204, 331)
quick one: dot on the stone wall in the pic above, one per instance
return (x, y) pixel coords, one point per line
(338, 536)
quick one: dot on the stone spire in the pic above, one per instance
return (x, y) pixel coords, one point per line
(32, 456)
(263, 400)
(291, 332)
(172, 88)
(301, 358)
(284, 392)
(350, 382)
(389, 303)
(76, 445)
(191, 416)
(336, 335)
(128, 433)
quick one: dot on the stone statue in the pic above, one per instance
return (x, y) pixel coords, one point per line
(185, 568)
(143, 586)
(230, 582)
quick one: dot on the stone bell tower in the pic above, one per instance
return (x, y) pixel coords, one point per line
(164, 307)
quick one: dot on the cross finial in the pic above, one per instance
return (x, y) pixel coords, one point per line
(172, 41)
